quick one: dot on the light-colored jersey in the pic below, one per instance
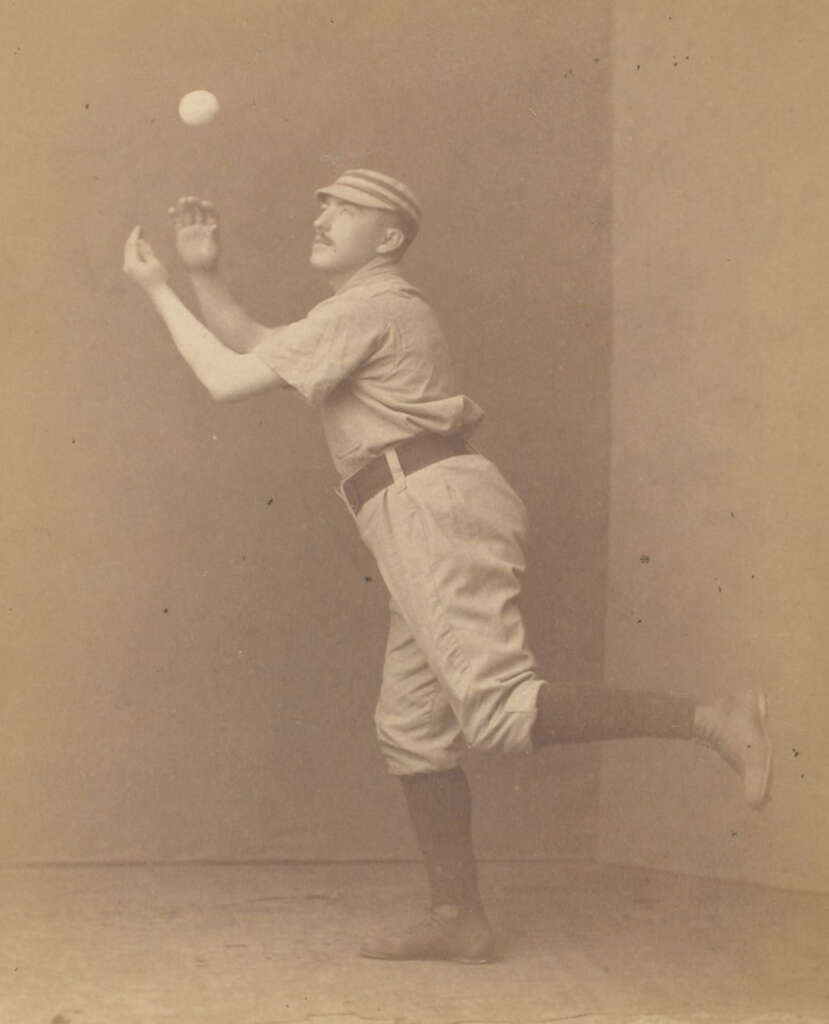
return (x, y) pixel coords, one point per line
(374, 359)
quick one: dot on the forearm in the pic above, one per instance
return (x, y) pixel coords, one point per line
(222, 313)
(226, 374)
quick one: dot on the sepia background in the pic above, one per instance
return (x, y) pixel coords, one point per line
(625, 240)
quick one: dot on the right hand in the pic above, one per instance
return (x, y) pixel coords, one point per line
(196, 224)
(141, 264)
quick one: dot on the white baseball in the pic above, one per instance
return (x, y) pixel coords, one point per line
(198, 107)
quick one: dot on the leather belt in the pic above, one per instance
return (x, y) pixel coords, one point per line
(414, 454)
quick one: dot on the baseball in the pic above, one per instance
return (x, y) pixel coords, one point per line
(198, 107)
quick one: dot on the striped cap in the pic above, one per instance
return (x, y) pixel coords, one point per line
(376, 190)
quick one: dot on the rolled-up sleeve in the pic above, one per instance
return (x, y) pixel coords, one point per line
(316, 354)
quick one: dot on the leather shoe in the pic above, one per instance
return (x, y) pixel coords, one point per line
(736, 728)
(458, 933)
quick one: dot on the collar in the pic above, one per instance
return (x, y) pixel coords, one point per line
(377, 275)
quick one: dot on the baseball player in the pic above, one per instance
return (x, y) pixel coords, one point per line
(446, 529)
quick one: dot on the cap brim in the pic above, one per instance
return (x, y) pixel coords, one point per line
(354, 195)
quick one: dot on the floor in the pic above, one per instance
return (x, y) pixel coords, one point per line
(261, 944)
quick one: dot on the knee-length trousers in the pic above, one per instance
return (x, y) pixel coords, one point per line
(449, 543)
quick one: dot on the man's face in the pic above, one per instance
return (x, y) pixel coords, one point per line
(346, 236)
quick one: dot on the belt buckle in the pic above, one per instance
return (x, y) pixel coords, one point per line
(350, 495)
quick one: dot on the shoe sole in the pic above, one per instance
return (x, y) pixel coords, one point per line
(470, 960)
(765, 784)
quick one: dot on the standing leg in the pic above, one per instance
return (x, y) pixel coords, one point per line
(421, 740)
(440, 809)
(457, 929)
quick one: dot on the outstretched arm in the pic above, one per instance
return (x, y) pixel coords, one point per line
(226, 374)
(196, 225)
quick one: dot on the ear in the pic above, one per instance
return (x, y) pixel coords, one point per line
(392, 240)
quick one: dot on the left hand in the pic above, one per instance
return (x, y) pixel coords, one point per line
(197, 233)
(141, 264)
